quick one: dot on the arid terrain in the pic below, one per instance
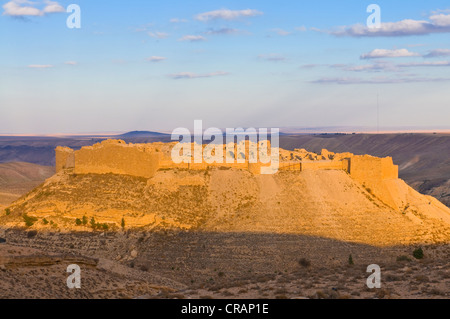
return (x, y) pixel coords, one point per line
(17, 179)
(178, 264)
(219, 233)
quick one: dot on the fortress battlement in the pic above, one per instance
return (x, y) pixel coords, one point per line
(144, 160)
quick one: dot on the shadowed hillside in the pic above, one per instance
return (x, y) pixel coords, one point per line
(17, 179)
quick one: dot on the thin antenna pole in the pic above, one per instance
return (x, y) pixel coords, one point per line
(378, 114)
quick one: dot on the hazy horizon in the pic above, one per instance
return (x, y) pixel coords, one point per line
(283, 130)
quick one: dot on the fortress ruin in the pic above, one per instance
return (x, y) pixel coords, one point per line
(144, 160)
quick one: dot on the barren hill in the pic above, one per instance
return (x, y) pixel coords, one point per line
(17, 179)
(327, 204)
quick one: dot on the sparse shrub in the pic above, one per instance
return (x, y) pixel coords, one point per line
(304, 262)
(350, 260)
(45, 221)
(85, 220)
(29, 221)
(78, 222)
(7, 211)
(382, 293)
(418, 253)
(122, 224)
(105, 226)
(93, 224)
(221, 274)
(143, 268)
(391, 277)
(32, 234)
(403, 258)
(437, 292)
(422, 278)
(405, 209)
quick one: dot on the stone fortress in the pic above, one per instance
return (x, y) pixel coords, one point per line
(144, 160)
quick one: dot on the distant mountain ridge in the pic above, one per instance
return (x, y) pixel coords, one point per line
(142, 134)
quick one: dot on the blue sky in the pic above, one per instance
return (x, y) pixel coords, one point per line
(158, 65)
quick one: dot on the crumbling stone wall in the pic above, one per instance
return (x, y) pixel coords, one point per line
(65, 158)
(112, 156)
(375, 174)
(366, 167)
(118, 157)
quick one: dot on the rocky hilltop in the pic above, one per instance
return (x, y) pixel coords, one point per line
(114, 186)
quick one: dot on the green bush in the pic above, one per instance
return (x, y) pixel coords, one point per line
(7, 211)
(78, 222)
(45, 221)
(123, 223)
(418, 253)
(85, 220)
(350, 260)
(96, 225)
(29, 221)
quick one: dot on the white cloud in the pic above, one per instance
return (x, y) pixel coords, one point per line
(438, 11)
(383, 53)
(226, 14)
(53, 7)
(310, 66)
(439, 23)
(273, 57)
(176, 20)
(158, 35)
(424, 64)
(281, 32)
(192, 38)
(23, 8)
(377, 67)
(223, 31)
(437, 53)
(19, 8)
(71, 63)
(40, 66)
(378, 80)
(301, 29)
(388, 67)
(441, 20)
(155, 59)
(190, 75)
